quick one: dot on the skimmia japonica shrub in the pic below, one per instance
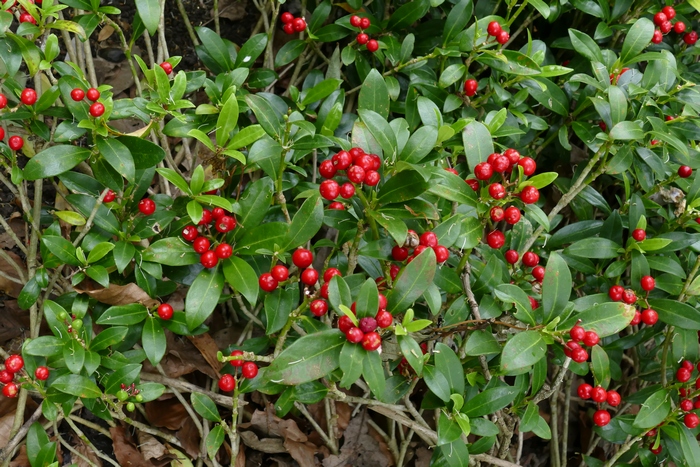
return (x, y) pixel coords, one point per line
(478, 219)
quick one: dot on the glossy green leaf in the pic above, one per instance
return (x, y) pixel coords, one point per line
(523, 350)
(77, 385)
(654, 410)
(309, 358)
(412, 282)
(205, 407)
(153, 340)
(123, 315)
(556, 287)
(203, 296)
(242, 278)
(54, 161)
(374, 94)
(604, 318)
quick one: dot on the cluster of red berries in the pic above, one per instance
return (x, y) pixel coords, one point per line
(618, 293)
(359, 168)
(530, 260)
(302, 259)
(292, 24)
(96, 108)
(362, 38)
(419, 244)
(599, 395)
(223, 222)
(249, 370)
(16, 142)
(579, 335)
(683, 375)
(366, 331)
(494, 29)
(13, 365)
(662, 20)
(24, 15)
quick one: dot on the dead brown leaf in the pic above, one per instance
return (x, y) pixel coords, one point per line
(189, 438)
(303, 453)
(5, 428)
(8, 286)
(208, 348)
(169, 413)
(125, 451)
(117, 294)
(182, 358)
(360, 448)
(266, 445)
(105, 33)
(14, 323)
(18, 227)
(151, 448)
(21, 460)
(85, 450)
(232, 9)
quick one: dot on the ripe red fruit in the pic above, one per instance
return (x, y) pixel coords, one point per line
(329, 189)
(299, 24)
(637, 319)
(669, 11)
(529, 195)
(342, 160)
(648, 283)
(218, 213)
(650, 317)
(512, 215)
(77, 94)
(209, 259)
(329, 273)
(14, 363)
(483, 171)
(10, 390)
(249, 370)
(238, 362)
(534, 304)
(497, 214)
(538, 273)
(502, 37)
(288, 28)
(327, 169)
(684, 171)
(354, 335)
(318, 307)
(494, 28)
(686, 405)
(473, 184)
(3, 101)
(500, 164)
(165, 311)
(207, 217)
(356, 174)
(690, 38)
(225, 224)
(109, 196)
(15, 143)
(223, 250)
(601, 417)
(399, 253)
(579, 355)
(368, 324)
(302, 258)
(362, 38)
(97, 109)
(577, 333)
(355, 21)
(442, 254)
(2, 133)
(656, 38)
(201, 244)
(688, 365)
(383, 302)
(679, 27)
(615, 292)
(657, 450)
(691, 420)
(639, 234)
(309, 276)
(666, 27)
(497, 191)
(345, 324)
(371, 341)
(372, 178)
(613, 398)
(384, 319)
(267, 282)
(6, 376)
(511, 256)
(513, 155)
(167, 67)
(683, 375)
(26, 18)
(280, 272)
(599, 394)
(190, 233)
(528, 164)
(531, 259)
(41, 373)
(147, 206)
(336, 206)
(629, 297)
(585, 391)
(28, 96)
(227, 383)
(470, 87)
(372, 45)
(365, 23)
(286, 17)
(428, 239)
(93, 94)
(660, 18)
(591, 338)
(496, 239)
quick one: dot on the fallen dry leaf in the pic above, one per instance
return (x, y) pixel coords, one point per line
(182, 358)
(21, 460)
(189, 438)
(208, 348)
(125, 451)
(18, 226)
(169, 413)
(266, 445)
(105, 33)
(151, 448)
(85, 450)
(360, 448)
(5, 427)
(8, 286)
(14, 323)
(117, 294)
(232, 9)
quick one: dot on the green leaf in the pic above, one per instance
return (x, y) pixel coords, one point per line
(600, 364)
(215, 47)
(126, 374)
(99, 251)
(552, 98)
(205, 407)
(263, 237)
(77, 385)
(689, 446)
(251, 50)
(447, 363)
(351, 358)
(373, 373)
(586, 46)
(618, 104)
(306, 222)
(175, 178)
(403, 186)
(457, 19)
(627, 131)
(451, 75)
(481, 343)
(267, 116)
(309, 358)
(654, 410)
(490, 401)
(478, 144)
(367, 303)
(412, 352)
(638, 38)
(71, 217)
(419, 145)
(320, 91)
(408, 14)
(214, 440)
(451, 187)
(74, 355)
(242, 278)
(556, 287)
(412, 282)
(381, 131)
(278, 306)
(29, 294)
(448, 430)
(339, 293)
(456, 454)
(125, 315)
(149, 12)
(523, 350)
(153, 340)
(54, 161)
(228, 119)
(605, 319)
(594, 248)
(396, 227)
(203, 296)
(510, 293)
(110, 336)
(675, 313)
(44, 346)
(436, 382)
(374, 94)
(289, 52)
(170, 251)
(246, 137)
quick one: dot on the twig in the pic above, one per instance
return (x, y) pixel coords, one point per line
(326, 439)
(85, 440)
(623, 449)
(474, 307)
(565, 426)
(554, 423)
(221, 400)
(186, 21)
(546, 391)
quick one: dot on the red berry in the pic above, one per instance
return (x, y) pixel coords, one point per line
(384, 319)
(10, 390)
(577, 333)
(500, 164)
(656, 38)
(309, 276)
(496, 239)
(637, 318)
(513, 155)
(494, 28)
(660, 18)
(601, 417)
(362, 38)
(201, 244)
(368, 324)
(354, 335)
(591, 338)
(679, 27)
(15, 143)
(207, 217)
(686, 405)
(483, 171)
(336, 206)
(365, 161)
(365, 23)
(224, 250)
(650, 317)
(77, 94)
(109, 196)
(147, 206)
(512, 215)
(238, 362)
(528, 164)
(615, 292)
(6, 376)
(585, 391)
(497, 191)
(529, 195)
(383, 302)
(579, 355)
(502, 37)
(691, 420)
(538, 273)
(165, 311)
(327, 169)
(41, 373)
(690, 38)
(394, 271)
(497, 214)
(330, 189)
(249, 370)
(639, 234)
(372, 45)
(3, 101)
(683, 375)
(280, 272)
(533, 303)
(684, 171)
(355, 21)
(209, 259)
(372, 178)
(286, 17)
(302, 258)
(225, 224)
(614, 398)
(345, 324)
(26, 18)
(666, 27)
(371, 341)
(299, 24)
(347, 190)
(531, 259)
(512, 256)
(342, 160)
(428, 239)
(14, 363)
(167, 67)
(629, 297)
(218, 213)
(656, 450)
(648, 283)
(318, 307)
(288, 28)
(669, 11)
(329, 273)
(399, 253)
(442, 254)
(93, 94)
(190, 233)
(599, 394)
(227, 383)
(470, 87)
(267, 282)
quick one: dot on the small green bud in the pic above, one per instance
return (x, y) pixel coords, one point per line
(130, 407)
(122, 395)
